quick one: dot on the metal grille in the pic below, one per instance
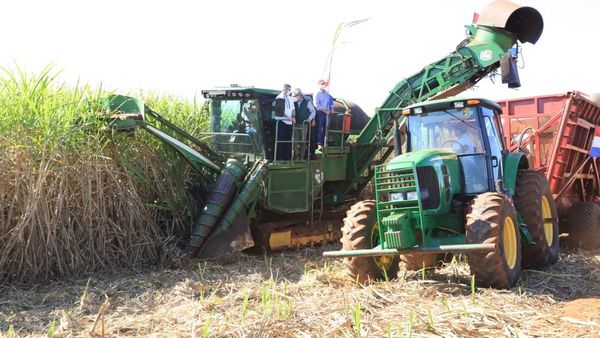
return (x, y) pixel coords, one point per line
(428, 180)
(395, 181)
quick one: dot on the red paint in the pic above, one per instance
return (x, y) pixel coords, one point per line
(563, 126)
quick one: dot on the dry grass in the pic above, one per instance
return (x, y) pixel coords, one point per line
(75, 199)
(298, 294)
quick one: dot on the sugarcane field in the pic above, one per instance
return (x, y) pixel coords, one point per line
(314, 169)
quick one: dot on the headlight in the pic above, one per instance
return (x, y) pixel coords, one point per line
(403, 196)
(397, 196)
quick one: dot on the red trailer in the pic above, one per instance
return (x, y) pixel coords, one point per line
(556, 132)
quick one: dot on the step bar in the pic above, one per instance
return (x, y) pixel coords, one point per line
(377, 251)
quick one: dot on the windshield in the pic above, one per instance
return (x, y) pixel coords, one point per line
(234, 126)
(455, 129)
(232, 116)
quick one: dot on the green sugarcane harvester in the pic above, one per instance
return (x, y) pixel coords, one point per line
(256, 200)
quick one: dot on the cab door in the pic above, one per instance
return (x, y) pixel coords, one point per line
(494, 139)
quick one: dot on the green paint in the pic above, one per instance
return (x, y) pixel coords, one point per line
(378, 251)
(511, 167)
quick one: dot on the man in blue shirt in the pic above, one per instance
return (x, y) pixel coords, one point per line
(324, 105)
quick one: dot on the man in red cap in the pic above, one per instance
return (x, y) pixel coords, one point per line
(324, 105)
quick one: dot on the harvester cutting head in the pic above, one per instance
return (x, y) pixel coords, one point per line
(123, 113)
(524, 22)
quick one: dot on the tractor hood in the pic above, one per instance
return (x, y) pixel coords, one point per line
(422, 157)
(439, 175)
(524, 22)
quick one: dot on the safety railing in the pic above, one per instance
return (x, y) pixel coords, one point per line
(336, 129)
(300, 149)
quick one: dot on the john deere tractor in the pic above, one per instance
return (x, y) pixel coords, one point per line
(453, 188)
(256, 198)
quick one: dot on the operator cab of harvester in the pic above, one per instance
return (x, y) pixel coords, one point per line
(239, 126)
(242, 125)
(453, 188)
(298, 189)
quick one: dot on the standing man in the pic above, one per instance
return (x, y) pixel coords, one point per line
(285, 120)
(324, 107)
(305, 115)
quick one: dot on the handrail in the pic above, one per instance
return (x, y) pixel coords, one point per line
(293, 141)
(523, 135)
(342, 131)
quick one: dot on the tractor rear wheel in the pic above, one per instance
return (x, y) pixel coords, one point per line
(583, 225)
(419, 261)
(360, 231)
(493, 221)
(533, 199)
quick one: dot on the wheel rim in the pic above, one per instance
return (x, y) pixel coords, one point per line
(383, 262)
(509, 241)
(548, 221)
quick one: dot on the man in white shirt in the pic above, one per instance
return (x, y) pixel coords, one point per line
(284, 123)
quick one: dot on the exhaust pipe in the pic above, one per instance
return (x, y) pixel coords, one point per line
(524, 22)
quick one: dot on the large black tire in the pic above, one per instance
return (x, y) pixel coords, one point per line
(534, 202)
(493, 221)
(583, 226)
(360, 231)
(419, 261)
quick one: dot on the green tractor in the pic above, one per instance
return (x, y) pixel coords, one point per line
(256, 198)
(453, 188)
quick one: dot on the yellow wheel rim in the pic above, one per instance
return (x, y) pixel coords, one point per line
(383, 262)
(548, 221)
(509, 241)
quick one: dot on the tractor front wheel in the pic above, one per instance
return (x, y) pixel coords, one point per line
(533, 199)
(360, 231)
(493, 221)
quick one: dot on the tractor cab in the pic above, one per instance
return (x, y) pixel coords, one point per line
(240, 122)
(469, 129)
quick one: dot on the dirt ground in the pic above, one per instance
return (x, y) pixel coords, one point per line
(300, 294)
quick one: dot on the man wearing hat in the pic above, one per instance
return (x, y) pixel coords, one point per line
(285, 120)
(324, 105)
(305, 115)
